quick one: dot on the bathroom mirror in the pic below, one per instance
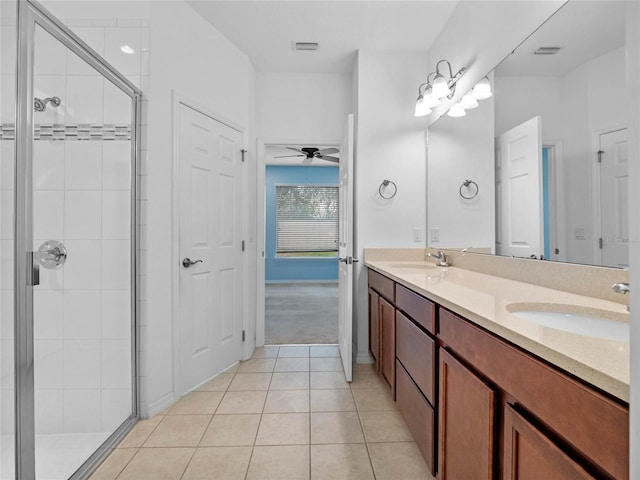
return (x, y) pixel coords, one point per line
(560, 96)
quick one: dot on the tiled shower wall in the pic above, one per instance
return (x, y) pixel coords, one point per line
(81, 197)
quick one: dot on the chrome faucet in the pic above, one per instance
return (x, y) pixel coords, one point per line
(622, 288)
(441, 257)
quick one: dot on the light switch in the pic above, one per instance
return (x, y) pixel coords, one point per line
(579, 233)
(417, 235)
(435, 235)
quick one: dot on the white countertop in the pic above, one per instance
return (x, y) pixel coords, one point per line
(483, 299)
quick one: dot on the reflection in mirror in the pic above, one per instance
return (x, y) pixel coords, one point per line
(558, 186)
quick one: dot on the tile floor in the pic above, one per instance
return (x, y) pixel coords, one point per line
(285, 414)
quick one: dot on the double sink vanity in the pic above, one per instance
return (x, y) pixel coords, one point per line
(498, 377)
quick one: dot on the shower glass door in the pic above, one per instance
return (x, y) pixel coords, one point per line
(76, 219)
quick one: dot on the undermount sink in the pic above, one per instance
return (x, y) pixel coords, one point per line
(590, 323)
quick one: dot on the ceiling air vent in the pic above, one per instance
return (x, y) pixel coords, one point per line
(305, 46)
(547, 51)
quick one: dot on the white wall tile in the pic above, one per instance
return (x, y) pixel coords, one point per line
(48, 211)
(82, 268)
(83, 165)
(116, 214)
(116, 315)
(116, 408)
(8, 98)
(6, 264)
(116, 364)
(94, 37)
(50, 56)
(7, 416)
(81, 364)
(117, 105)
(82, 214)
(127, 64)
(48, 314)
(82, 314)
(48, 165)
(7, 163)
(48, 364)
(116, 165)
(7, 371)
(84, 99)
(116, 268)
(8, 49)
(82, 411)
(6, 314)
(6, 214)
(48, 411)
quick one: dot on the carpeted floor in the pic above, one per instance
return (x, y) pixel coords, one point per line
(301, 313)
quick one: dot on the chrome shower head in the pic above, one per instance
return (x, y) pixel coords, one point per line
(41, 105)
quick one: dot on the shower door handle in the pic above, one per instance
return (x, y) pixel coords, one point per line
(33, 268)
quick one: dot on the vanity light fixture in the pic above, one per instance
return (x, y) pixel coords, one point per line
(482, 90)
(431, 91)
(127, 49)
(468, 102)
(457, 110)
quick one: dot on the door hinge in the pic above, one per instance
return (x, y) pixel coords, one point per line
(243, 151)
(600, 152)
(600, 242)
(243, 245)
(243, 335)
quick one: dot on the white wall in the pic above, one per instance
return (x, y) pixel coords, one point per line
(302, 107)
(192, 58)
(633, 111)
(390, 144)
(460, 149)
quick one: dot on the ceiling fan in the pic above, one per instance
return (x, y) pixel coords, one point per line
(312, 152)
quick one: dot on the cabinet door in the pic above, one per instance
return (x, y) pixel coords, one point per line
(530, 455)
(387, 342)
(374, 326)
(466, 423)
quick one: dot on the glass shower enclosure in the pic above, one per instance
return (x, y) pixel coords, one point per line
(69, 143)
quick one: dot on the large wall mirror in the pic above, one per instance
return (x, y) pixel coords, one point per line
(547, 152)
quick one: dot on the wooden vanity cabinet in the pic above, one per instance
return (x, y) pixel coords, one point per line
(382, 325)
(467, 419)
(388, 343)
(374, 326)
(528, 454)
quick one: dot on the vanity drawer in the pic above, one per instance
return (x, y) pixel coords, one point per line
(417, 353)
(382, 285)
(417, 308)
(418, 415)
(596, 426)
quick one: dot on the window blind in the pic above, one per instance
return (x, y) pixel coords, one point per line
(306, 219)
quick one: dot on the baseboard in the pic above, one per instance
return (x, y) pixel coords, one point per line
(151, 409)
(364, 358)
(275, 282)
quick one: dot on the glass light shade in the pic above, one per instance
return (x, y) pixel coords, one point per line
(482, 90)
(456, 111)
(468, 102)
(440, 89)
(429, 100)
(422, 108)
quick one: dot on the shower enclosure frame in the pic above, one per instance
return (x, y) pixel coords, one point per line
(31, 13)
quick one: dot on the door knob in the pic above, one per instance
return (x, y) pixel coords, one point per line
(187, 262)
(344, 259)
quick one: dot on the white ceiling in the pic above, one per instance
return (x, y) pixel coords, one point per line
(582, 29)
(265, 30)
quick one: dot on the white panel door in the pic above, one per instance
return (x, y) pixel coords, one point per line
(519, 214)
(211, 263)
(614, 189)
(345, 252)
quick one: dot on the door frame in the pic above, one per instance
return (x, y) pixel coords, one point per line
(596, 201)
(261, 219)
(557, 225)
(181, 99)
(30, 14)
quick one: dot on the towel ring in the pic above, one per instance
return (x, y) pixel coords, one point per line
(466, 183)
(385, 183)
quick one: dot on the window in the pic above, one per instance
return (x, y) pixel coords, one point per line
(306, 221)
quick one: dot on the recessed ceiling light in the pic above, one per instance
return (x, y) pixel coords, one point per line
(127, 49)
(305, 46)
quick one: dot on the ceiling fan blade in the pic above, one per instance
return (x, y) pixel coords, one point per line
(329, 158)
(324, 151)
(296, 150)
(289, 156)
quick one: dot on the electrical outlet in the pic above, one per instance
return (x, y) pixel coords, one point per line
(417, 235)
(435, 235)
